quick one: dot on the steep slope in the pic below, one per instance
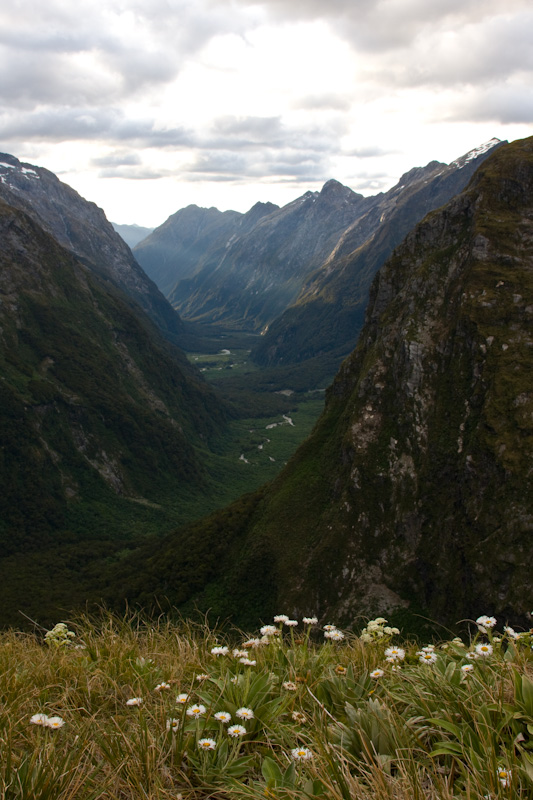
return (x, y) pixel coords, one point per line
(416, 487)
(328, 314)
(251, 278)
(176, 249)
(100, 416)
(82, 227)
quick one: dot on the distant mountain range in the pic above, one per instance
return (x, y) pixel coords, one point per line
(299, 275)
(414, 494)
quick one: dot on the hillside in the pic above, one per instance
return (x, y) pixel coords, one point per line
(104, 425)
(82, 227)
(415, 489)
(327, 316)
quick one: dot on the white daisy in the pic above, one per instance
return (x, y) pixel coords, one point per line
(486, 622)
(161, 687)
(269, 630)
(182, 698)
(173, 724)
(134, 701)
(223, 716)
(395, 653)
(484, 649)
(377, 673)
(55, 722)
(334, 635)
(504, 776)
(310, 620)
(197, 710)
(220, 651)
(428, 658)
(281, 618)
(39, 719)
(290, 686)
(291, 623)
(237, 730)
(244, 713)
(466, 668)
(249, 662)
(207, 744)
(301, 754)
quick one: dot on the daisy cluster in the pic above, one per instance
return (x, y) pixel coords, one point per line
(59, 636)
(377, 629)
(255, 708)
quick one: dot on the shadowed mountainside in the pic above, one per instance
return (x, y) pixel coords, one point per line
(415, 489)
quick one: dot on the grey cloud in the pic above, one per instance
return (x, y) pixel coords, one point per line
(325, 102)
(285, 164)
(104, 124)
(370, 151)
(48, 51)
(377, 26)
(122, 159)
(270, 132)
(135, 174)
(504, 104)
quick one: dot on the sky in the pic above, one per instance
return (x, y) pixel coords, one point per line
(147, 106)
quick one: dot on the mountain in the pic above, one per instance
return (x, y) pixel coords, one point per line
(82, 227)
(241, 271)
(328, 314)
(177, 248)
(132, 234)
(104, 424)
(415, 489)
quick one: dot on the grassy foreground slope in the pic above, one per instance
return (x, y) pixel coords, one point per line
(129, 708)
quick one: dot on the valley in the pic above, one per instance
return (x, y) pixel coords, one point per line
(342, 404)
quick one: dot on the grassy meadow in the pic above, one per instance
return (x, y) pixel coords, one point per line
(124, 708)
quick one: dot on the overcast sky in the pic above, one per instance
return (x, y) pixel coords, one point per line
(146, 106)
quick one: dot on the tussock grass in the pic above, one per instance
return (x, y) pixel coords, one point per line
(131, 706)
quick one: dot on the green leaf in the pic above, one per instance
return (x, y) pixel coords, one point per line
(447, 749)
(527, 694)
(448, 726)
(289, 776)
(271, 772)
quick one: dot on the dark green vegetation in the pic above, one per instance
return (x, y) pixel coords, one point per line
(107, 434)
(415, 488)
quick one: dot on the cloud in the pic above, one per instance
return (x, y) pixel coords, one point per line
(264, 164)
(323, 102)
(78, 124)
(83, 52)
(117, 159)
(504, 104)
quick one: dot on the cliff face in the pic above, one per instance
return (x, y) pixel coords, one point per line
(416, 487)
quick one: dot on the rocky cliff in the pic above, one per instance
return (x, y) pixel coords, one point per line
(415, 489)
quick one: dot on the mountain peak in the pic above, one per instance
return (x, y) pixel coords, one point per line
(476, 152)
